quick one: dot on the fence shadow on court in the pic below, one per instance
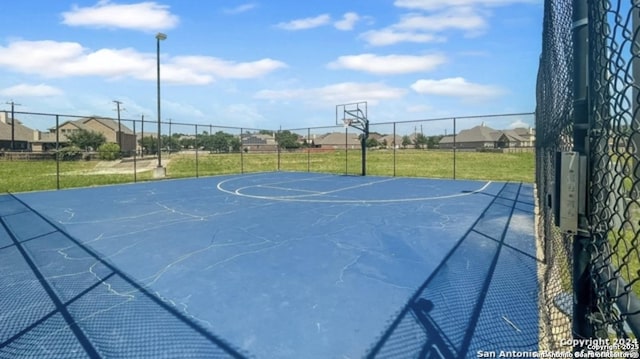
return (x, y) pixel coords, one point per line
(482, 297)
(61, 299)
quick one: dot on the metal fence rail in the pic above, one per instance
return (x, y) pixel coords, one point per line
(587, 102)
(401, 148)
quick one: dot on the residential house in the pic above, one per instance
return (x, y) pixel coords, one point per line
(12, 130)
(259, 142)
(483, 137)
(391, 141)
(43, 141)
(112, 130)
(338, 140)
(528, 135)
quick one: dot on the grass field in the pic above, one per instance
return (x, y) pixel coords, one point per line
(22, 176)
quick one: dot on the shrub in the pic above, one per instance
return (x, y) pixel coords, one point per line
(70, 153)
(109, 151)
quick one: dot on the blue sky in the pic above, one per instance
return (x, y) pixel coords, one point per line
(272, 64)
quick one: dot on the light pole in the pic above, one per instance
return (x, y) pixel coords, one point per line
(159, 170)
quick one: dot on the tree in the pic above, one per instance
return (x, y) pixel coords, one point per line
(149, 144)
(86, 139)
(406, 141)
(433, 141)
(220, 142)
(372, 142)
(187, 142)
(235, 144)
(420, 141)
(109, 151)
(287, 139)
(69, 153)
(171, 143)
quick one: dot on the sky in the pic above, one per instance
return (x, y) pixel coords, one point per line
(272, 64)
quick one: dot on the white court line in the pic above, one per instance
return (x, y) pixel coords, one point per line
(238, 192)
(284, 189)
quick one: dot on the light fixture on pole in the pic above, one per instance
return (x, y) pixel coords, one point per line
(160, 172)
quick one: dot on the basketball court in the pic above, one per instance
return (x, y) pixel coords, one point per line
(269, 265)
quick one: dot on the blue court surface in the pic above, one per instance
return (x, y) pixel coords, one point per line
(269, 265)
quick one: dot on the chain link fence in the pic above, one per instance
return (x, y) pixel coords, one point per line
(554, 133)
(615, 175)
(604, 304)
(59, 151)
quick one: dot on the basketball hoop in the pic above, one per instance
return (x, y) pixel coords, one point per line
(346, 122)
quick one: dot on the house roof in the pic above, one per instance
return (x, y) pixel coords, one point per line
(513, 136)
(258, 139)
(107, 122)
(48, 137)
(476, 134)
(337, 138)
(20, 131)
(525, 131)
(484, 134)
(390, 139)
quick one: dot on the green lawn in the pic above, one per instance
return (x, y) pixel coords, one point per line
(22, 176)
(625, 256)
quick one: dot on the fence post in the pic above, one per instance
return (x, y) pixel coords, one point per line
(309, 149)
(135, 153)
(454, 148)
(583, 293)
(394, 149)
(346, 151)
(57, 152)
(196, 146)
(241, 152)
(363, 144)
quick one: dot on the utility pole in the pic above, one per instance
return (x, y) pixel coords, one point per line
(13, 124)
(119, 137)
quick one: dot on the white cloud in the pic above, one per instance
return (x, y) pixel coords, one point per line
(388, 65)
(456, 87)
(240, 8)
(464, 18)
(443, 4)
(391, 36)
(182, 108)
(419, 108)
(348, 21)
(306, 23)
(345, 92)
(52, 59)
(27, 90)
(228, 69)
(519, 124)
(421, 28)
(144, 16)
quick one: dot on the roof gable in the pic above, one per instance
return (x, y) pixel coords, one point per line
(338, 138)
(107, 123)
(20, 131)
